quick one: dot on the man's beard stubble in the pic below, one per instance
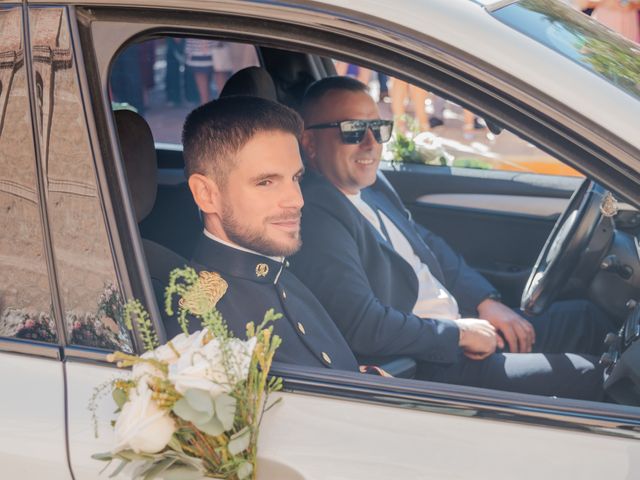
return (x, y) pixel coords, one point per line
(257, 240)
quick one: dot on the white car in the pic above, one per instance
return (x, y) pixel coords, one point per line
(71, 247)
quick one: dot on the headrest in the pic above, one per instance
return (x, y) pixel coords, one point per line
(254, 81)
(139, 154)
(291, 76)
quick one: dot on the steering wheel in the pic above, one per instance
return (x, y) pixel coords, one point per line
(564, 249)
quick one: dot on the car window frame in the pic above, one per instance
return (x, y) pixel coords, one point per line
(117, 207)
(562, 413)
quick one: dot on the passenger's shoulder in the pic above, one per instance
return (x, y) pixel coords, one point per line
(317, 190)
(323, 200)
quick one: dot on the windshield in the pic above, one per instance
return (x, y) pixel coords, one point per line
(578, 37)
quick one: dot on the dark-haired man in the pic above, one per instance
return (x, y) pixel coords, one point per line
(394, 288)
(243, 166)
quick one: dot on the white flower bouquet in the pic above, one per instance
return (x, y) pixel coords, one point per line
(192, 407)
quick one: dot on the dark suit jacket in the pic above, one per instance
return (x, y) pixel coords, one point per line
(369, 289)
(256, 284)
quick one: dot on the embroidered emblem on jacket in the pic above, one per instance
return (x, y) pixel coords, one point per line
(205, 294)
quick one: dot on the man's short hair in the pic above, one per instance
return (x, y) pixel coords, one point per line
(320, 88)
(215, 132)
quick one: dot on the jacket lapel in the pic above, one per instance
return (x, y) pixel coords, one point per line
(395, 213)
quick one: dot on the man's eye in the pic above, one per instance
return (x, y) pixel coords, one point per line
(265, 183)
(298, 178)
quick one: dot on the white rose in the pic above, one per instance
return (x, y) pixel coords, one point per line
(180, 345)
(142, 426)
(204, 369)
(238, 363)
(145, 369)
(192, 372)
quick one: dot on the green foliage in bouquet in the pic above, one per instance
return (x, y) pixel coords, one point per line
(192, 407)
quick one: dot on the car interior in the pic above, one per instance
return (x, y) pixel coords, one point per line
(498, 220)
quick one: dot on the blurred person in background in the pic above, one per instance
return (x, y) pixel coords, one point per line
(352, 70)
(175, 62)
(402, 91)
(619, 15)
(125, 84)
(222, 64)
(383, 81)
(147, 59)
(199, 60)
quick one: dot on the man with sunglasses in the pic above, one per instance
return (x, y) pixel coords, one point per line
(393, 288)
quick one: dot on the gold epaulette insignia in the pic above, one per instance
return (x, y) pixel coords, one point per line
(205, 294)
(262, 269)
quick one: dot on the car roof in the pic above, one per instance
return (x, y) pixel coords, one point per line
(466, 26)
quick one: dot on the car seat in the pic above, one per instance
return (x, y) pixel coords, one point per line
(254, 81)
(139, 156)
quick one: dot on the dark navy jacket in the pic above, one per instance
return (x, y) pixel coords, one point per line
(256, 284)
(369, 289)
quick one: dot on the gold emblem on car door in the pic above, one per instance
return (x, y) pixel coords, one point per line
(609, 206)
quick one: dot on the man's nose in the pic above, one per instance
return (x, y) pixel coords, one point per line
(368, 138)
(292, 196)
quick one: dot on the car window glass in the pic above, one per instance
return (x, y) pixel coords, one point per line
(430, 130)
(164, 79)
(25, 298)
(582, 39)
(91, 299)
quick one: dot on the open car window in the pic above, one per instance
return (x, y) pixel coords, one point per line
(460, 140)
(482, 151)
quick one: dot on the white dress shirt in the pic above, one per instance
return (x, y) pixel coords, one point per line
(434, 301)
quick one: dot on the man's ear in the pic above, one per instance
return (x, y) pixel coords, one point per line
(308, 143)
(206, 193)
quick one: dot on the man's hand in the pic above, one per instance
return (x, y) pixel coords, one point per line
(478, 338)
(518, 332)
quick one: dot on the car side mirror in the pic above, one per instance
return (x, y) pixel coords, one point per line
(494, 127)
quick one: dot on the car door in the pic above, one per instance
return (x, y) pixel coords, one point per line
(88, 303)
(331, 424)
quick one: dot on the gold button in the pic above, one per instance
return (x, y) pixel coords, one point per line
(284, 294)
(301, 328)
(326, 357)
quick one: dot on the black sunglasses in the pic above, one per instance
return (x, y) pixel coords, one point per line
(353, 131)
